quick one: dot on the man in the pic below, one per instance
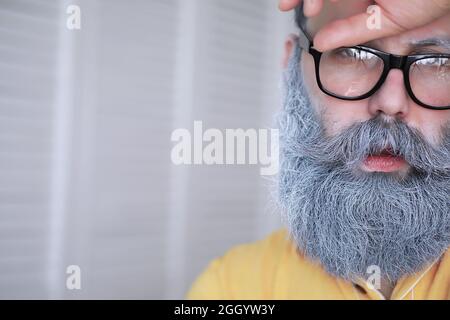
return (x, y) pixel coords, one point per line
(365, 174)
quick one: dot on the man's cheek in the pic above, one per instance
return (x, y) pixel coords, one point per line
(338, 115)
(335, 114)
(435, 131)
(432, 124)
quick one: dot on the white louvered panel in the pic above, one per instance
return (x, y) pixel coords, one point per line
(224, 207)
(28, 42)
(236, 54)
(137, 226)
(134, 60)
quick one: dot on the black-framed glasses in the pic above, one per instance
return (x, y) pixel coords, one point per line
(356, 73)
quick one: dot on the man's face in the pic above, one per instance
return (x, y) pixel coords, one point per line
(340, 211)
(392, 99)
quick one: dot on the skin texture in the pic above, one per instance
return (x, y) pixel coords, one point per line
(397, 17)
(392, 99)
(348, 219)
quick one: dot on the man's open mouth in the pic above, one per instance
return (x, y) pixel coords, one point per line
(384, 161)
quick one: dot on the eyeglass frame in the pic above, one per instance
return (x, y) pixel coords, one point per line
(390, 61)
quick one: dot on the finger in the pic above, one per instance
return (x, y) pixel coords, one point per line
(444, 4)
(358, 29)
(312, 8)
(286, 5)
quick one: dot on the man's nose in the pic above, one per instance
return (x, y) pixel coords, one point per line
(392, 99)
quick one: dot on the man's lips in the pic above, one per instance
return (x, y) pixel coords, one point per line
(384, 162)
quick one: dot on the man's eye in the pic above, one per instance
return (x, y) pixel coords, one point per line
(435, 62)
(353, 54)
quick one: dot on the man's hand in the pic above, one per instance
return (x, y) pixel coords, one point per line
(396, 17)
(310, 7)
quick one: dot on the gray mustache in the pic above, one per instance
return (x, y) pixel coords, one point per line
(348, 221)
(354, 144)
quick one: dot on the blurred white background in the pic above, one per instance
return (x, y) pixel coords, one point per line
(85, 123)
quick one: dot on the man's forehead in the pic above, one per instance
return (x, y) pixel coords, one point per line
(436, 34)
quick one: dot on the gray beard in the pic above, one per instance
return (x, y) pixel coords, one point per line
(346, 219)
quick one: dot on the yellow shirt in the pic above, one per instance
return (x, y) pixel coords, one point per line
(272, 268)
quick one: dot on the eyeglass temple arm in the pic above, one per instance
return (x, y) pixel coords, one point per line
(304, 40)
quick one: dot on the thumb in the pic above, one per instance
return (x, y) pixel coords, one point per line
(286, 5)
